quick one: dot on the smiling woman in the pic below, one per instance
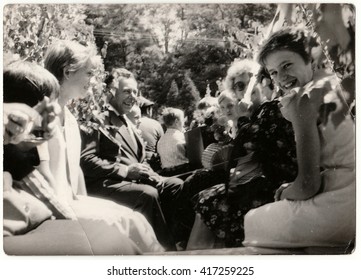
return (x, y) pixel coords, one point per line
(73, 64)
(318, 208)
(288, 69)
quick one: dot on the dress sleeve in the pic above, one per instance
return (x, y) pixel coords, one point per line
(272, 140)
(19, 163)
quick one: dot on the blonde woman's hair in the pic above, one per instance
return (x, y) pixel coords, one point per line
(67, 54)
(237, 68)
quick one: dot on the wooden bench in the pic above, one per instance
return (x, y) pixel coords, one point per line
(267, 251)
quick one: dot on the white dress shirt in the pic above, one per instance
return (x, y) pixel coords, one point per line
(172, 148)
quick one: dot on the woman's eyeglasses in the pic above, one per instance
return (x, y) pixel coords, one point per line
(240, 86)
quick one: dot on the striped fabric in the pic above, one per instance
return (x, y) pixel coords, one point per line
(215, 156)
(36, 184)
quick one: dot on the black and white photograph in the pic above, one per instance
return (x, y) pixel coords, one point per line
(179, 130)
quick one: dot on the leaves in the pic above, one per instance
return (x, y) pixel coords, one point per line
(178, 52)
(31, 28)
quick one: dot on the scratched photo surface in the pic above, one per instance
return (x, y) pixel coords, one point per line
(179, 129)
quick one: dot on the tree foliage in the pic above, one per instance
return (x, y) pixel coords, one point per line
(188, 96)
(29, 29)
(176, 51)
(173, 95)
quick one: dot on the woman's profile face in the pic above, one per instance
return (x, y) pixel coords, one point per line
(288, 69)
(78, 81)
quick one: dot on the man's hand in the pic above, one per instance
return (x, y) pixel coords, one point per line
(139, 171)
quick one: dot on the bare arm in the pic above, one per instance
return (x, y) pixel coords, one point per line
(308, 180)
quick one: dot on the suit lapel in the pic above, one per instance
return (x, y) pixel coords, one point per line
(141, 145)
(124, 133)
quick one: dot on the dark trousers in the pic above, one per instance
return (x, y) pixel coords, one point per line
(200, 180)
(180, 171)
(158, 204)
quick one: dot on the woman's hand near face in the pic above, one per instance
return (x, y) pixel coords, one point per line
(19, 119)
(22, 121)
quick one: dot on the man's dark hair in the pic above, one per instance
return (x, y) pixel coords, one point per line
(117, 74)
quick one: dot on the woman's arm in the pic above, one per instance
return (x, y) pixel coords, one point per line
(308, 180)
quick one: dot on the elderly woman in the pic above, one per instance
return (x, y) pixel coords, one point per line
(263, 152)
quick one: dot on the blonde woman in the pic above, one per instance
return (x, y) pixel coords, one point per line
(72, 64)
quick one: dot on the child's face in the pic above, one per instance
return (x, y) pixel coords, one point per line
(134, 117)
(228, 108)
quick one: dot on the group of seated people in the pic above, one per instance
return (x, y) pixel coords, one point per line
(280, 172)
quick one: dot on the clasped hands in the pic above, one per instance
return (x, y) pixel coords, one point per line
(142, 172)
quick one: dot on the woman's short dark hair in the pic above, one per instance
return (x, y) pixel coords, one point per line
(27, 82)
(290, 39)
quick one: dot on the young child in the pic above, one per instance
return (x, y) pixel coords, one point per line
(172, 145)
(134, 116)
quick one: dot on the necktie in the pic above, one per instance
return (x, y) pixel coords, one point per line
(130, 131)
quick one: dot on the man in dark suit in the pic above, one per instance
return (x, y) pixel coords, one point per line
(112, 162)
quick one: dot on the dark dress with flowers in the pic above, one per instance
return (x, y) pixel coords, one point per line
(268, 140)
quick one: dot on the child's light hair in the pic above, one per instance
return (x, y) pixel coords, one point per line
(170, 115)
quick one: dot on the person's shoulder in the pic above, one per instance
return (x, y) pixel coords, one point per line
(324, 74)
(149, 120)
(324, 86)
(150, 123)
(269, 105)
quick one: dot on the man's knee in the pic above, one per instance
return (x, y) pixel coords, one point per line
(173, 182)
(151, 192)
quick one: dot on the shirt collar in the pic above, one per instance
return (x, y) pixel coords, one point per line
(122, 117)
(111, 108)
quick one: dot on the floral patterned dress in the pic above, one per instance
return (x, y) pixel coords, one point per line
(265, 152)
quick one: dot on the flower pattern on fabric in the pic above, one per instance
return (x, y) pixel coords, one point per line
(270, 137)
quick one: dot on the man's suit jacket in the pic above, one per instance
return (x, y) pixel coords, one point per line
(107, 152)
